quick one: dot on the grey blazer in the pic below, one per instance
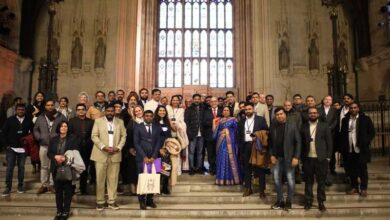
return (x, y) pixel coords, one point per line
(291, 142)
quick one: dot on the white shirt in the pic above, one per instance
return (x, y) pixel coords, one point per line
(352, 134)
(313, 131)
(110, 128)
(214, 110)
(151, 105)
(21, 119)
(248, 128)
(343, 112)
(326, 110)
(148, 127)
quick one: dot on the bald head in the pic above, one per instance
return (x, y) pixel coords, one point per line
(287, 105)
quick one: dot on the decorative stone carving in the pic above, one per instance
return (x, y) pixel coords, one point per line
(314, 63)
(283, 41)
(101, 29)
(312, 29)
(100, 53)
(77, 54)
(342, 55)
(77, 51)
(284, 54)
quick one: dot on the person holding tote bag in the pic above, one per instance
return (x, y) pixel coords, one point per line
(60, 168)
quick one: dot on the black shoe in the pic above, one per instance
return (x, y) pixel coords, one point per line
(100, 207)
(191, 172)
(321, 206)
(278, 205)
(6, 192)
(333, 173)
(113, 206)
(308, 206)
(166, 191)
(328, 183)
(58, 216)
(142, 205)
(65, 215)
(287, 205)
(262, 195)
(298, 181)
(151, 204)
(83, 192)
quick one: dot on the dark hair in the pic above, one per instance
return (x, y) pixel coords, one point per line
(20, 105)
(310, 96)
(120, 90)
(209, 97)
(82, 105)
(111, 92)
(297, 95)
(220, 98)
(195, 95)
(242, 102)
(230, 111)
(175, 96)
(132, 94)
(157, 118)
(59, 126)
(229, 92)
(349, 95)
(155, 90)
(269, 95)
(49, 100)
(336, 102)
(143, 89)
(104, 94)
(278, 109)
(110, 105)
(255, 93)
(36, 94)
(249, 103)
(17, 99)
(148, 112)
(64, 98)
(312, 108)
(356, 103)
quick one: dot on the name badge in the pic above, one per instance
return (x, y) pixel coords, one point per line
(164, 128)
(110, 132)
(248, 132)
(20, 132)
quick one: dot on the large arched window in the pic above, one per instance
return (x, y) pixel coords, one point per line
(195, 43)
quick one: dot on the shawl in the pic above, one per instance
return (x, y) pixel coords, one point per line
(173, 147)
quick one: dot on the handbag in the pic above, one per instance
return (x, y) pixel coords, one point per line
(64, 173)
(148, 183)
(166, 165)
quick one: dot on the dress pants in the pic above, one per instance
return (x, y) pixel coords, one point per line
(46, 176)
(211, 154)
(357, 169)
(13, 159)
(107, 172)
(64, 193)
(246, 151)
(318, 169)
(84, 175)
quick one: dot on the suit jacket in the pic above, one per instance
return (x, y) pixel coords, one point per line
(330, 119)
(100, 139)
(208, 118)
(41, 129)
(194, 121)
(292, 142)
(11, 131)
(258, 124)
(364, 135)
(71, 143)
(85, 140)
(146, 145)
(323, 140)
(262, 110)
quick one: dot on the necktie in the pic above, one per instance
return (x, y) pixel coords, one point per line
(149, 130)
(214, 115)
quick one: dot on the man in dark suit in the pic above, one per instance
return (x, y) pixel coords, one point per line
(209, 115)
(357, 132)
(317, 145)
(246, 128)
(15, 128)
(147, 143)
(81, 127)
(143, 97)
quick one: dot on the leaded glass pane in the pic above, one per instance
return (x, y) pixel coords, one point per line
(229, 15)
(195, 72)
(170, 43)
(203, 41)
(178, 73)
(169, 73)
(195, 15)
(203, 15)
(213, 73)
(187, 17)
(163, 15)
(179, 15)
(187, 72)
(171, 15)
(221, 74)
(213, 44)
(161, 73)
(229, 44)
(203, 72)
(178, 44)
(187, 46)
(229, 73)
(221, 15)
(195, 44)
(213, 15)
(162, 44)
(221, 44)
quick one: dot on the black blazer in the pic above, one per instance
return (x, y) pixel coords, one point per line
(365, 133)
(145, 144)
(258, 125)
(71, 143)
(323, 140)
(208, 118)
(11, 131)
(330, 119)
(292, 141)
(194, 120)
(86, 143)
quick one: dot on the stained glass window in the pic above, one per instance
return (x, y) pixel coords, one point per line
(195, 42)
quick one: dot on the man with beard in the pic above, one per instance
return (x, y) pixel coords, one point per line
(298, 103)
(232, 103)
(260, 108)
(246, 128)
(143, 94)
(291, 114)
(120, 95)
(97, 110)
(109, 137)
(317, 146)
(44, 130)
(81, 127)
(193, 118)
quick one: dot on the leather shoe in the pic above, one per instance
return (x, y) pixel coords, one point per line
(308, 206)
(151, 204)
(142, 205)
(321, 206)
(262, 195)
(42, 190)
(51, 189)
(363, 193)
(352, 192)
(247, 192)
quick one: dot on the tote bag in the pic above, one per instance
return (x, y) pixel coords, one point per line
(148, 183)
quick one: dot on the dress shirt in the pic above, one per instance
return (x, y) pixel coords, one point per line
(249, 123)
(352, 135)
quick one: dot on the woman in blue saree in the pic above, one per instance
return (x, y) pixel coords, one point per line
(225, 133)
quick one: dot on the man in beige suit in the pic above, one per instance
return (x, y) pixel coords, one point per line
(108, 136)
(260, 109)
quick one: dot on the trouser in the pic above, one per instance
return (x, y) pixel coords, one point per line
(314, 167)
(283, 166)
(357, 169)
(106, 173)
(211, 154)
(84, 175)
(46, 176)
(124, 169)
(64, 193)
(196, 147)
(246, 151)
(148, 198)
(19, 158)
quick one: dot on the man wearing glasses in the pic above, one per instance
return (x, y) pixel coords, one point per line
(81, 126)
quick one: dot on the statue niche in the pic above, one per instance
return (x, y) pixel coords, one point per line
(284, 54)
(314, 63)
(100, 53)
(77, 54)
(342, 55)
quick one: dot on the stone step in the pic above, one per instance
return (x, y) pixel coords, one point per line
(182, 211)
(9, 217)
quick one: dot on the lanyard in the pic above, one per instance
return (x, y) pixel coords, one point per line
(110, 125)
(248, 126)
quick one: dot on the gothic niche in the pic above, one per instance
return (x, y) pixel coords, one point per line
(314, 63)
(342, 55)
(100, 53)
(77, 53)
(284, 53)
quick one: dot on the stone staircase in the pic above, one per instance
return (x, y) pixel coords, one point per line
(196, 197)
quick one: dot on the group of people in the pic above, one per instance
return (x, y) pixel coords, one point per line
(240, 141)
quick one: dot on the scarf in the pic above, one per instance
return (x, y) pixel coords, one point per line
(51, 115)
